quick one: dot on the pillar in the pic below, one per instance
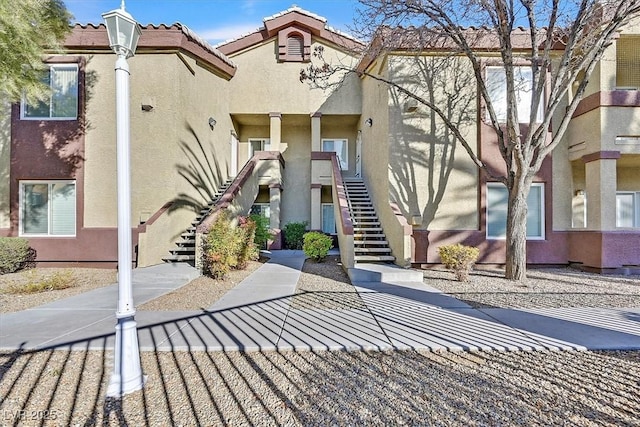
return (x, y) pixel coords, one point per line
(315, 131)
(601, 185)
(275, 131)
(316, 207)
(274, 217)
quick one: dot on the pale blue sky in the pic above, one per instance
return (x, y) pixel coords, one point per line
(214, 20)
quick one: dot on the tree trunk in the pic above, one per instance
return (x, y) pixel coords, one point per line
(516, 239)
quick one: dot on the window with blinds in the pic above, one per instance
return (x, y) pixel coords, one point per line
(628, 62)
(295, 46)
(48, 208)
(62, 102)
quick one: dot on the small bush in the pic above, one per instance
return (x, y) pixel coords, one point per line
(294, 234)
(221, 247)
(226, 247)
(15, 254)
(316, 245)
(263, 235)
(459, 258)
(37, 283)
(246, 235)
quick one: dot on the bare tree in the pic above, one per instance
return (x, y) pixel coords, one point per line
(560, 45)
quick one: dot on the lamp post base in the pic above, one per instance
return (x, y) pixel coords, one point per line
(127, 374)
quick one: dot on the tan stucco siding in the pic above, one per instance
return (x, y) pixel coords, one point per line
(296, 194)
(620, 121)
(628, 177)
(5, 161)
(431, 174)
(583, 134)
(263, 85)
(171, 142)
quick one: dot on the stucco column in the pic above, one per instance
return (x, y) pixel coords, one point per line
(315, 131)
(600, 170)
(275, 130)
(274, 206)
(316, 211)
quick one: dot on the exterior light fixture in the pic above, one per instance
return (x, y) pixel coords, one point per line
(212, 122)
(369, 122)
(124, 32)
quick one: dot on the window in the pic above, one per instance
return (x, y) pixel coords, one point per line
(262, 209)
(338, 146)
(497, 87)
(258, 145)
(497, 199)
(628, 209)
(628, 62)
(62, 103)
(48, 208)
(328, 219)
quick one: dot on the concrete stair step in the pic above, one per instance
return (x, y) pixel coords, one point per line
(370, 242)
(369, 236)
(182, 250)
(180, 258)
(372, 250)
(367, 223)
(367, 229)
(374, 258)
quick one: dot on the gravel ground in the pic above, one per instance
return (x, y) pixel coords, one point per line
(328, 388)
(325, 285)
(543, 288)
(349, 388)
(86, 279)
(201, 292)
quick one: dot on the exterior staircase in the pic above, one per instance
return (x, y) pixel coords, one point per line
(369, 240)
(185, 250)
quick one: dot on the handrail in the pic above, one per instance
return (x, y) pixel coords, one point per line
(345, 217)
(227, 197)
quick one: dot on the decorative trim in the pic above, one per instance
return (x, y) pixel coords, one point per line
(317, 114)
(321, 155)
(601, 155)
(316, 186)
(608, 98)
(275, 115)
(283, 44)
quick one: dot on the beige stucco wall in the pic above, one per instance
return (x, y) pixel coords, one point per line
(5, 161)
(263, 85)
(431, 174)
(174, 136)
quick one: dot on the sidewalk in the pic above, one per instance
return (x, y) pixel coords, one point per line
(257, 315)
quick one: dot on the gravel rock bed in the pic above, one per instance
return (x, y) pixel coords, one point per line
(86, 279)
(327, 388)
(543, 288)
(201, 292)
(325, 285)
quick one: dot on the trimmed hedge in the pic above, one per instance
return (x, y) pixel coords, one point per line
(316, 245)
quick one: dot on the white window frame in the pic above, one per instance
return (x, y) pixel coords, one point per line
(51, 68)
(265, 144)
(636, 208)
(500, 108)
(50, 183)
(323, 205)
(264, 207)
(541, 212)
(344, 163)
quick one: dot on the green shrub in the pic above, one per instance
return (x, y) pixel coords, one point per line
(37, 282)
(263, 234)
(15, 254)
(220, 248)
(459, 258)
(316, 245)
(247, 250)
(294, 234)
(227, 247)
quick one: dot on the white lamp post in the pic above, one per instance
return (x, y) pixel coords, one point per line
(127, 377)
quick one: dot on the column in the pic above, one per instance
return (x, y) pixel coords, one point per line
(275, 130)
(274, 216)
(600, 170)
(316, 207)
(315, 131)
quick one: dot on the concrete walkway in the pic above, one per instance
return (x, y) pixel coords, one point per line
(400, 312)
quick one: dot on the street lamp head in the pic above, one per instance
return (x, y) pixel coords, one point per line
(123, 32)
